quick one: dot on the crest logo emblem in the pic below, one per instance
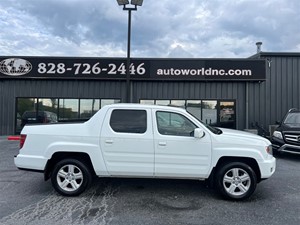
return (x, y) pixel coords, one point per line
(15, 67)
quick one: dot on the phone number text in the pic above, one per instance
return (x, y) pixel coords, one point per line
(92, 69)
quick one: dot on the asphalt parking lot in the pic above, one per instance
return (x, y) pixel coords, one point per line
(26, 199)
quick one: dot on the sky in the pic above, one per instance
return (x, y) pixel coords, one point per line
(160, 28)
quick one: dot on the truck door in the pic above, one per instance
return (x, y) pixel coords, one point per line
(127, 142)
(177, 152)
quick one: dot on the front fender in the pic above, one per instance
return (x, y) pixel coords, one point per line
(242, 152)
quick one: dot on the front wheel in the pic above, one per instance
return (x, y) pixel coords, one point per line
(236, 180)
(71, 177)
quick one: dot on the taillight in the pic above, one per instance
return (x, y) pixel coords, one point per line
(22, 140)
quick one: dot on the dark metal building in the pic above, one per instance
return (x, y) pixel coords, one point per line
(269, 101)
(67, 93)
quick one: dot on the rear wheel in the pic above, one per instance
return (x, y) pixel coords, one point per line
(71, 177)
(236, 180)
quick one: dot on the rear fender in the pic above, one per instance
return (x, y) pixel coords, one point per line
(92, 150)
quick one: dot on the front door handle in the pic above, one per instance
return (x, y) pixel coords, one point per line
(162, 143)
(109, 142)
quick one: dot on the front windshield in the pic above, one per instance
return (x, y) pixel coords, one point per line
(211, 128)
(292, 118)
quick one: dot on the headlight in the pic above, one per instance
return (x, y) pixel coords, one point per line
(269, 149)
(277, 134)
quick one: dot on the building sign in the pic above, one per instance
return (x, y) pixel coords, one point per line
(209, 69)
(140, 69)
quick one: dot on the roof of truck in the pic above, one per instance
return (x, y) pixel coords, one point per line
(142, 106)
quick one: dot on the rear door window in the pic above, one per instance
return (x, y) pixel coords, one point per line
(128, 121)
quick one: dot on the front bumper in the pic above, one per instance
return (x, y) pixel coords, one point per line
(280, 146)
(267, 168)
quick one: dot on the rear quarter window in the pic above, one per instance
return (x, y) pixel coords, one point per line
(128, 121)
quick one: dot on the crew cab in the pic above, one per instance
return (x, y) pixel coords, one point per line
(146, 141)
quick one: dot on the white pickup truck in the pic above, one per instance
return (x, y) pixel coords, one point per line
(132, 140)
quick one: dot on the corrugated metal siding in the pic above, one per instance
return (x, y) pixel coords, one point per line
(188, 90)
(66, 89)
(270, 100)
(7, 104)
(11, 89)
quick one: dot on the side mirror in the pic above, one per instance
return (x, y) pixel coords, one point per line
(277, 122)
(198, 133)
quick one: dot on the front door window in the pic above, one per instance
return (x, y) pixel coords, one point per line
(174, 124)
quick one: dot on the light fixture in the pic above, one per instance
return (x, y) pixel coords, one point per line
(137, 2)
(132, 2)
(123, 2)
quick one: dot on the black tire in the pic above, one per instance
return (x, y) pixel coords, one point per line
(70, 177)
(236, 181)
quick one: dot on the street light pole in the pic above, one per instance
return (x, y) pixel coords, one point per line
(128, 83)
(125, 3)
